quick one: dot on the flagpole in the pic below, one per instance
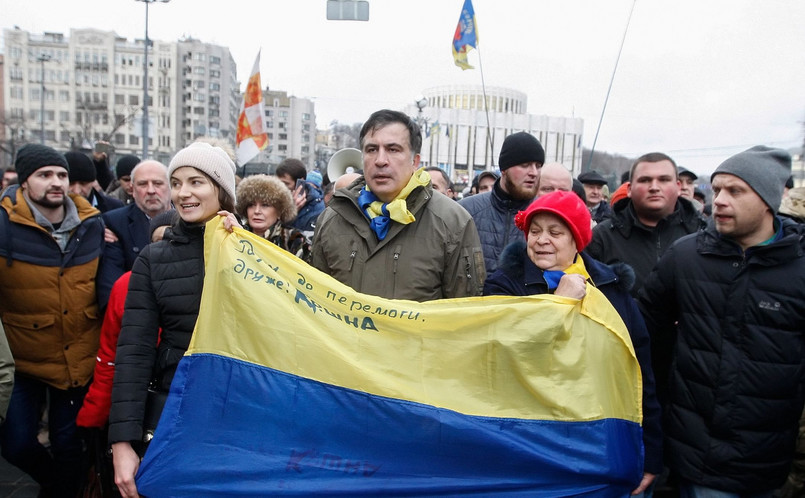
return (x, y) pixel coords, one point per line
(611, 80)
(486, 108)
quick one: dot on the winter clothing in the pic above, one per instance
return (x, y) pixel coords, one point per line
(437, 256)
(728, 340)
(623, 238)
(95, 410)
(269, 190)
(517, 275)
(31, 157)
(520, 148)
(565, 205)
(765, 170)
(47, 292)
(680, 171)
(306, 217)
(793, 206)
(164, 291)
(103, 202)
(210, 160)
(81, 167)
(315, 178)
(125, 165)
(592, 177)
(493, 213)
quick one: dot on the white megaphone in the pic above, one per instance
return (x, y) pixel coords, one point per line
(344, 161)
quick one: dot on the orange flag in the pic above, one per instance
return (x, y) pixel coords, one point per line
(252, 135)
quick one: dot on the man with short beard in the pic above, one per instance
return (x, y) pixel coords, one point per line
(50, 244)
(521, 158)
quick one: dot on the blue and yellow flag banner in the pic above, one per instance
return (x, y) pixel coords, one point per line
(466, 35)
(297, 384)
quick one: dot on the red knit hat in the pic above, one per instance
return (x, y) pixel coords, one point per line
(566, 205)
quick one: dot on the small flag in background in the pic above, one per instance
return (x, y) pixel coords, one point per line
(252, 135)
(466, 35)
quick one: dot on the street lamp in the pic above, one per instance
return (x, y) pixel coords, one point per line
(145, 79)
(421, 102)
(42, 59)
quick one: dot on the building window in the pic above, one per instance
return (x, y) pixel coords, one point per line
(283, 136)
(64, 115)
(282, 147)
(215, 60)
(134, 100)
(134, 140)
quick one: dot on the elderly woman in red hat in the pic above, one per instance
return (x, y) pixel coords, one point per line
(550, 261)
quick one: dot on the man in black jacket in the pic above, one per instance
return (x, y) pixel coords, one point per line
(724, 310)
(645, 224)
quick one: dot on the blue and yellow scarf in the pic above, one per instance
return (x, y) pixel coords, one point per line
(380, 215)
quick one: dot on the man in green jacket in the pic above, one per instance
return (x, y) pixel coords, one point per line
(388, 234)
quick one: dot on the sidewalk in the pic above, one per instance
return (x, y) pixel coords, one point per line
(14, 483)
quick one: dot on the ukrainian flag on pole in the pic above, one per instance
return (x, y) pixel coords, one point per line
(295, 384)
(466, 35)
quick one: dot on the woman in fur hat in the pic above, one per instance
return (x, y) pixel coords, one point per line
(268, 208)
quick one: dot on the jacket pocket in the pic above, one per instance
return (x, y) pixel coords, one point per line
(29, 321)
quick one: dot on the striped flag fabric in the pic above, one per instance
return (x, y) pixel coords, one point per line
(466, 35)
(295, 384)
(252, 134)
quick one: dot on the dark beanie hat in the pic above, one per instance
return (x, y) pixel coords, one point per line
(764, 169)
(520, 148)
(81, 167)
(31, 157)
(125, 164)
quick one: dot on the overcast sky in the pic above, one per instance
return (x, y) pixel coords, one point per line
(698, 79)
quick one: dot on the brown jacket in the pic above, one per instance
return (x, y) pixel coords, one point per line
(435, 257)
(47, 296)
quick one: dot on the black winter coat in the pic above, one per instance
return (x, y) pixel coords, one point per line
(517, 275)
(731, 373)
(624, 239)
(493, 213)
(164, 292)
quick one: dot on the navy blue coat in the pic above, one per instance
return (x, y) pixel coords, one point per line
(131, 226)
(517, 275)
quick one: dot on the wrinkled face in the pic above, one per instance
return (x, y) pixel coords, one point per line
(521, 181)
(81, 188)
(152, 194)
(654, 189)
(47, 186)
(594, 193)
(388, 161)
(550, 243)
(738, 212)
(686, 186)
(194, 195)
(486, 184)
(261, 217)
(437, 180)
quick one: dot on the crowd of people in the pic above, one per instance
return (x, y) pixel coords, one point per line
(101, 277)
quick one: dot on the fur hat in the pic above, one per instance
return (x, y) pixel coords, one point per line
(268, 190)
(213, 161)
(566, 205)
(125, 164)
(763, 168)
(520, 148)
(31, 157)
(81, 167)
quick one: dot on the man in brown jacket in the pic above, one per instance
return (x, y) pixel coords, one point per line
(387, 234)
(50, 243)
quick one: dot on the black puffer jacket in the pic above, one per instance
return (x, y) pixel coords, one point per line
(164, 292)
(493, 213)
(731, 373)
(623, 238)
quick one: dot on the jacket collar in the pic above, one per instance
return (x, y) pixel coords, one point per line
(502, 201)
(624, 218)
(787, 248)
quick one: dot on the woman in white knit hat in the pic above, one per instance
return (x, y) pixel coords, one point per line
(163, 303)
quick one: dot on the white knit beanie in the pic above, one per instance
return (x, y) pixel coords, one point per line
(211, 160)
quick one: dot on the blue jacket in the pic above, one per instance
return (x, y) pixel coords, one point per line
(519, 276)
(131, 226)
(306, 218)
(493, 213)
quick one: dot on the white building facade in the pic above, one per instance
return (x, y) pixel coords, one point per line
(458, 138)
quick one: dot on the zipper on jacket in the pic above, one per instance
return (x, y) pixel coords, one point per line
(396, 261)
(352, 259)
(468, 272)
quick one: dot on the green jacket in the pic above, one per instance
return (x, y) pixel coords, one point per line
(437, 256)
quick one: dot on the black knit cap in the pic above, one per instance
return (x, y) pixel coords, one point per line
(81, 167)
(31, 157)
(520, 148)
(125, 164)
